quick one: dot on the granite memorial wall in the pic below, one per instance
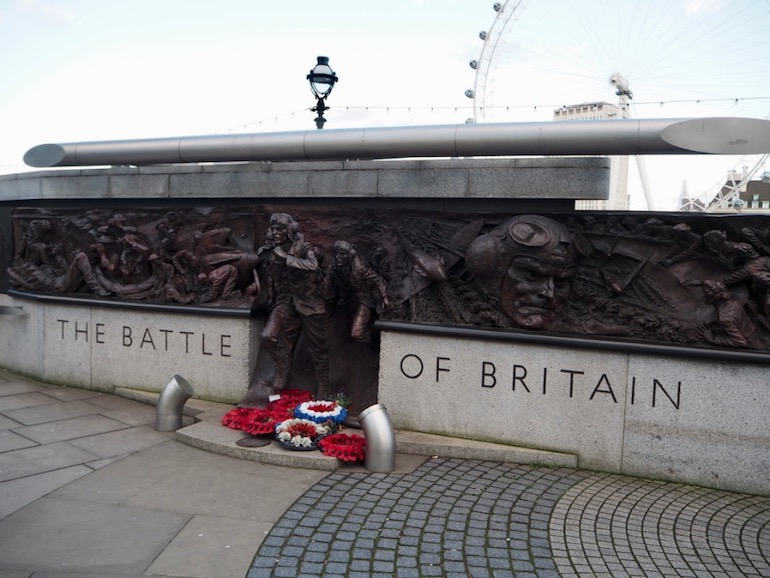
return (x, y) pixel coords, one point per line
(637, 341)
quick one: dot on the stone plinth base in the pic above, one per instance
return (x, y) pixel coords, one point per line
(102, 348)
(685, 420)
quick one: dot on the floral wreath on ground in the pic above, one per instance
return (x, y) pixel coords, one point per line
(262, 421)
(346, 447)
(300, 422)
(252, 420)
(321, 411)
(301, 433)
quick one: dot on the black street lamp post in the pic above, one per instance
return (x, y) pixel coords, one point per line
(322, 79)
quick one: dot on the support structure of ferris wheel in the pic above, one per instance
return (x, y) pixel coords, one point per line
(624, 94)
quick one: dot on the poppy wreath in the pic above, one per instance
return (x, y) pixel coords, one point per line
(283, 407)
(300, 433)
(234, 419)
(259, 421)
(251, 420)
(321, 411)
(280, 412)
(292, 397)
(346, 447)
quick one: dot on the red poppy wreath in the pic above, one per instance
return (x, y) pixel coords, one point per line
(251, 420)
(346, 447)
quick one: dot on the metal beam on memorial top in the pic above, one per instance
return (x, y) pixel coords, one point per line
(724, 135)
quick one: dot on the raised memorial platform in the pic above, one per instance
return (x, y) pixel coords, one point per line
(477, 303)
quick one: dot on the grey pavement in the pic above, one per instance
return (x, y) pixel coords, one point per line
(89, 488)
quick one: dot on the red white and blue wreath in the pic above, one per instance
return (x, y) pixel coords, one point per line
(300, 434)
(321, 411)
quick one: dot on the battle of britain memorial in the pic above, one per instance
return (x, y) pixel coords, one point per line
(465, 294)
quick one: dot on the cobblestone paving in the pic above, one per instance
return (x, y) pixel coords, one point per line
(464, 518)
(609, 525)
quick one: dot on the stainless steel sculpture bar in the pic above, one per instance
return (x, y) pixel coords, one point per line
(380, 439)
(169, 410)
(600, 137)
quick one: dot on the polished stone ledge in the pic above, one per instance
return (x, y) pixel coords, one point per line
(562, 178)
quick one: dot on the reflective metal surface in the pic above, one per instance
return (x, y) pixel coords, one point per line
(168, 413)
(380, 439)
(599, 137)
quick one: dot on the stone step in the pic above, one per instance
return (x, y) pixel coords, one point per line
(425, 444)
(193, 407)
(208, 434)
(216, 438)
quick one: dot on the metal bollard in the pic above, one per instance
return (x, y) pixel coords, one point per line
(168, 413)
(380, 439)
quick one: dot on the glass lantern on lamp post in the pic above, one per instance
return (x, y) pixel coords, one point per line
(322, 79)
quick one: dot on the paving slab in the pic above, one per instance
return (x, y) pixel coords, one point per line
(14, 386)
(10, 441)
(211, 546)
(121, 442)
(261, 492)
(116, 403)
(75, 536)
(52, 412)
(29, 461)
(132, 474)
(69, 429)
(133, 416)
(20, 492)
(15, 401)
(64, 393)
(24, 574)
(45, 574)
(97, 464)
(8, 423)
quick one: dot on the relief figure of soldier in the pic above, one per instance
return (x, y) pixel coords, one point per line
(292, 269)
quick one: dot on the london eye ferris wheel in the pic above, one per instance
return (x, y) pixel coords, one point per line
(654, 58)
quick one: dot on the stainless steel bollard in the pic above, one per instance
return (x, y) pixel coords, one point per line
(380, 439)
(168, 413)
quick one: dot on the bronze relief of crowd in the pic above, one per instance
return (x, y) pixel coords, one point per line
(667, 278)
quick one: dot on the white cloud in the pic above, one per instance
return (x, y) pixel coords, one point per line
(55, 14)
(705, 6)
(101, 70)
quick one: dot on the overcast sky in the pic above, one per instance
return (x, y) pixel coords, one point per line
(83, 70)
